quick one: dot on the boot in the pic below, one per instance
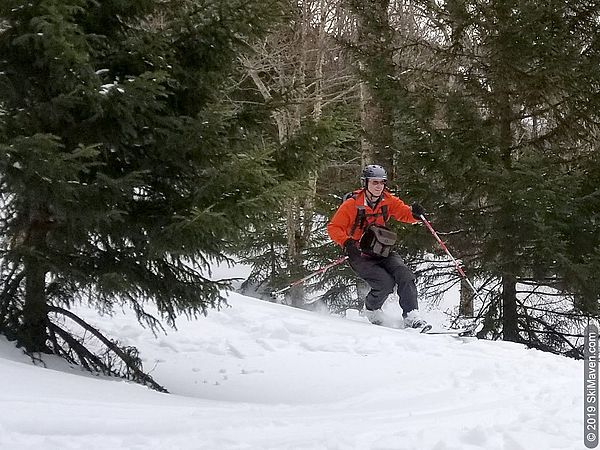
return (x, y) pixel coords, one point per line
(414, 320)
(375, 316)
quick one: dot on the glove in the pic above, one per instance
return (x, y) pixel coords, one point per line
(351, 248)
(417, 211)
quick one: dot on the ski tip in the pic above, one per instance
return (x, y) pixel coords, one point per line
(426, 328)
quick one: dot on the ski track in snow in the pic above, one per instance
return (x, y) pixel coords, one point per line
(262, 376)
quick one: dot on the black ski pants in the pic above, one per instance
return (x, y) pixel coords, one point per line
(382, 275)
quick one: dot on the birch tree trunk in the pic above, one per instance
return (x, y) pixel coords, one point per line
(375, 52)
(466, 300)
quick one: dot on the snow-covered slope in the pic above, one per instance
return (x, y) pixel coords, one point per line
(258, 375)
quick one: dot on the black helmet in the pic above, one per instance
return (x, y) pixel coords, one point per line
(373, 171)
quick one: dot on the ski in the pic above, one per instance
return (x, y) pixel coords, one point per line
(460, 332)
(397, 324)
(428, 329)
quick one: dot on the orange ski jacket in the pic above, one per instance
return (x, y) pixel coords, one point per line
(341, 224)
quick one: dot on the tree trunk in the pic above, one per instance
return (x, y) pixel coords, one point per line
(366, 147)
(375, 49)
(507, 221)
(35, 313)
(35, 310)
(465, 308)
(510, 329)
(295, 296)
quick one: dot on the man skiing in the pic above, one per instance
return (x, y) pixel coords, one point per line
(359, 227)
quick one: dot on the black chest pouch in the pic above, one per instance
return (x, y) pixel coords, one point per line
(377, 240)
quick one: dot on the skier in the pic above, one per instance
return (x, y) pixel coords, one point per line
(359, 227)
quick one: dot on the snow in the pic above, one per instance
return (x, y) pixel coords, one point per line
(258, 375)
(107, 88)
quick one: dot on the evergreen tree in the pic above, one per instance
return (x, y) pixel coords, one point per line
(124, 168)
(502, 143)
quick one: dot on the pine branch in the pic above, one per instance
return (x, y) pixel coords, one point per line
(140, 376)
(85, 358)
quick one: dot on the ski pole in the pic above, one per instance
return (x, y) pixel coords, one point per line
(475, 325)
(308, 277)
(459, 269)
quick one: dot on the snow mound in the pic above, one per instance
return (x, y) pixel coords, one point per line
(257, 375)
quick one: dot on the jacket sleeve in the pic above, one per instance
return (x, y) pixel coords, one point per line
(340, 225)
(401, 211)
